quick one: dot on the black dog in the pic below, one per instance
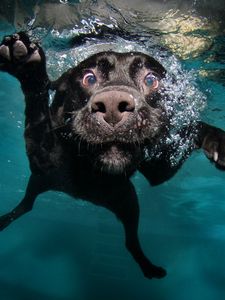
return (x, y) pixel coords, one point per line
(105, 114)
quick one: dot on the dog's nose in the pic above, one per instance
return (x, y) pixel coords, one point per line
(113, 106)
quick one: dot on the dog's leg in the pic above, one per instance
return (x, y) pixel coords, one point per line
(126, 209)
(26, 61)
(37, 184)
(212, 140)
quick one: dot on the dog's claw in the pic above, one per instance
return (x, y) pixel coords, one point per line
(215, 156)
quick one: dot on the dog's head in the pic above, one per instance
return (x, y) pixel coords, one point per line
(110, 106)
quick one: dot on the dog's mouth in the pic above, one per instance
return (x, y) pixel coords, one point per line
(117, 149)
(145, 123)
(114, 152)
(116, 158)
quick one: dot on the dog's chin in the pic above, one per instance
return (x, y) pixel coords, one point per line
(117, 160)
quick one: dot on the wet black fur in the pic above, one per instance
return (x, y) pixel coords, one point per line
(65, 152)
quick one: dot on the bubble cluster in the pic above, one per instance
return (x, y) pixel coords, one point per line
(183, 103)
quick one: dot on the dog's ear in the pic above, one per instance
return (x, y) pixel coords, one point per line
(61, 84)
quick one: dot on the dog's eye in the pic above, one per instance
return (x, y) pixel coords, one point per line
(89, 79)
(151, 81)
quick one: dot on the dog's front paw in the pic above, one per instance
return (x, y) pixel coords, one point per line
(151, 271)
(17, 51)
(214, 147)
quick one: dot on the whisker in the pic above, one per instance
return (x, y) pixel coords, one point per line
(69, 112)
(57, 127)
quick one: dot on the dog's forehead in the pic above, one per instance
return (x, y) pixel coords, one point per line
(110, 60)
(115, 59)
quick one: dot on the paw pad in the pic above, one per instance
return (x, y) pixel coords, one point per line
(4, 52)
(17, 48)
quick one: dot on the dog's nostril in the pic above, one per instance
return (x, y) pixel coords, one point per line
(125, 106)
(112, 107)
(98, 107)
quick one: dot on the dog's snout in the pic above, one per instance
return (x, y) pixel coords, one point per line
(113, 106)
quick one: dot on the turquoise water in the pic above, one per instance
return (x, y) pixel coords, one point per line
(66, 249)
